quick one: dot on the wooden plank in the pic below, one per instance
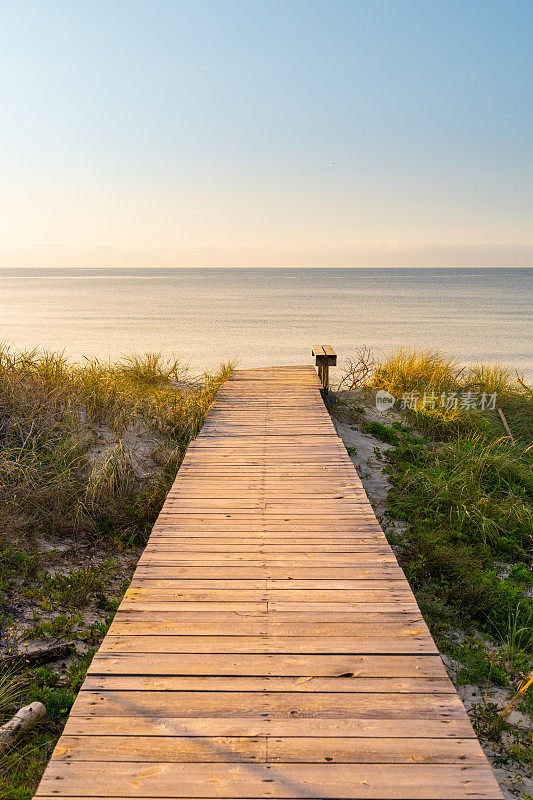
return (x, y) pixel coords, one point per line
(161, 748)
(305, 684)
(348, 610)
(236, 545)
(309, 727)
(332, 705)
(263, 615)
(205, 607)
(344, 523)
(242, 573)
(271, 749)
(279, 665)
(343, 781)
(158, 555)
(238, 625)
(274, 491)
(173, 527)
(161, 554)
(174, 593)
(268, 644)
(395, 587)
(270, 521)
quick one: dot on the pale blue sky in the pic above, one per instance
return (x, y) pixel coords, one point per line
(157, 133)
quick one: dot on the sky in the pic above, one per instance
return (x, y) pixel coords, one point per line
(266, 133)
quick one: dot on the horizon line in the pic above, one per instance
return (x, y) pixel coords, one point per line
(275, 266)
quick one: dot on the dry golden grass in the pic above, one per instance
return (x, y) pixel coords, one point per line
(71, 435)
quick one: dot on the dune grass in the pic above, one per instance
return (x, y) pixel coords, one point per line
(464, 488)
(87, 454)
(79, 441)
(450, 400)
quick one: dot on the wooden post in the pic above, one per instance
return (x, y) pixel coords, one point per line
(325, 358)
(506, 426)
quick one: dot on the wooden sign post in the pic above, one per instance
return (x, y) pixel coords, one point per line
(325, 357)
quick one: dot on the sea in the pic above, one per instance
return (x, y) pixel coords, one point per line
(264, 317)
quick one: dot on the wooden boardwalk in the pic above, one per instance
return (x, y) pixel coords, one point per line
(269, 645)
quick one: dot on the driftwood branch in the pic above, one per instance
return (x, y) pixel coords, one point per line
(22, 721)
(40, 655)
(357, 369)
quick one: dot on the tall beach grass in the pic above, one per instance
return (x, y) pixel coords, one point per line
(80, 442)
(464, 488)
(429, 373)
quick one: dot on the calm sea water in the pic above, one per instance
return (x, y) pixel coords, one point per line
(269, 316)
